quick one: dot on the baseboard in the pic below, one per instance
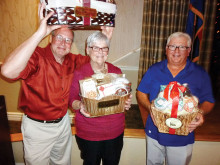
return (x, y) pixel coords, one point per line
(17, 116)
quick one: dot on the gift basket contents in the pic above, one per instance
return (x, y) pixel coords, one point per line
(105, 94)
(81, 14)
(174, 108)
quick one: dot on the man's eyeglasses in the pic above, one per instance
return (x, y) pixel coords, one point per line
(61, 38)
(173, 47)
(97, 49)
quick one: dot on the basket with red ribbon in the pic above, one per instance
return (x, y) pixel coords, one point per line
(174, 108)
(81, 14)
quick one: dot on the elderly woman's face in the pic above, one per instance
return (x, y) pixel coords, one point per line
(98, 52)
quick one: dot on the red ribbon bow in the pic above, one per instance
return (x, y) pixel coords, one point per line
(174, 95)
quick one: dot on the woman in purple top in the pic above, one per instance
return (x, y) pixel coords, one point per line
(99, 138)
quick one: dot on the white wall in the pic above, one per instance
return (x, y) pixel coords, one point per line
(133, 149)
(206, 153)
(134, 152)
(132, 75)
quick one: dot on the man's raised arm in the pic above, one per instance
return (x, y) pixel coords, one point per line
(17, 60)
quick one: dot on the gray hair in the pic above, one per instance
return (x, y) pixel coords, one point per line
(97, 36)
(180, 34)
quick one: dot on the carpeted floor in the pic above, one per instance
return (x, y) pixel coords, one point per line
(133, 118)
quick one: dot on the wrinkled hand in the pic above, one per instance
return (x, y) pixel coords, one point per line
(198, 121)
(128, 103)
(45, 29)
(108, 31)
(83, 110)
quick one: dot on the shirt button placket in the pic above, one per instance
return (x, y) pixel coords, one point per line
(61, 77)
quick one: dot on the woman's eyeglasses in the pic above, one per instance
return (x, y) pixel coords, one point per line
(97, 49)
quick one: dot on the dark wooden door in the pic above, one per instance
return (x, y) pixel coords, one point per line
(6, 152)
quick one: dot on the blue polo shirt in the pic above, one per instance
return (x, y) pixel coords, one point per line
(158, 74)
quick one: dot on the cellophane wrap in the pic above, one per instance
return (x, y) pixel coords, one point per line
(105, 94)
(174, 109)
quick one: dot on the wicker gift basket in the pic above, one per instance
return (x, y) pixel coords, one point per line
(105, 106)
(81, 14)
(175, 119)
(162, 120)
(104, 94)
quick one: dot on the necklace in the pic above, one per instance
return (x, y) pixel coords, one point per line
(104, 70)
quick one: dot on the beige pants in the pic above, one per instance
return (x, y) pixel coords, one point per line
(47, 143)
(158, 154)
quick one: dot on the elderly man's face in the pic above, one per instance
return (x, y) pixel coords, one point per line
(177, 56)
(61, 42)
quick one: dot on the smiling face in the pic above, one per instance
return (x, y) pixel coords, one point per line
(97, 55)
(61, 43)
(177, 57)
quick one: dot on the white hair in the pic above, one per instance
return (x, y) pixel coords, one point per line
(97, 36)
(180, 34)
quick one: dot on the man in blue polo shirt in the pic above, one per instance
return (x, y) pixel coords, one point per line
(175, 149)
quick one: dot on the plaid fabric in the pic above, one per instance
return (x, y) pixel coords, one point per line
(163, 17)
(160, 19)
(208, 34)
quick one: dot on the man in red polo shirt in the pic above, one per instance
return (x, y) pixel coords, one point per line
(46, 75)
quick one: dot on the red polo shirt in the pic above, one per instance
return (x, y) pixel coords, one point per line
(45, 84)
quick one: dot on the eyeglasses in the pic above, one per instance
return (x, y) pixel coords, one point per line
(97, 49)
(61, 38)
(173, 47)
